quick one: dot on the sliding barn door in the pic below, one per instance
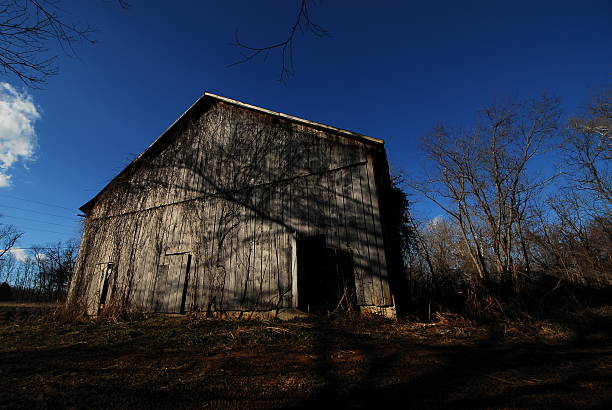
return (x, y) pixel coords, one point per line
(171, 283)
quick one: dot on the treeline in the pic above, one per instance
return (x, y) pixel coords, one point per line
(526, 209)
(526, 203)
(38, 274)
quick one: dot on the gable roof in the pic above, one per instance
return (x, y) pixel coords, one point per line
(213, 97)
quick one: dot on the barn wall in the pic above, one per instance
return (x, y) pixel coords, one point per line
(228, 194)
(223, 148)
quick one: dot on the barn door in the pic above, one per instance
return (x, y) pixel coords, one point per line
(171, 283)
(312, 277)
(105, 277)
(326, 278)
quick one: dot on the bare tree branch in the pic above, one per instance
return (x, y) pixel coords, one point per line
(302, 22)
(30, 32)
(589, 148)
(8, 237)
(483, 176)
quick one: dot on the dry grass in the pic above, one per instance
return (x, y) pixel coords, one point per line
(193, 362)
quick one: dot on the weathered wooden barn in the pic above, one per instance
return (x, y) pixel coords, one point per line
(238, 208)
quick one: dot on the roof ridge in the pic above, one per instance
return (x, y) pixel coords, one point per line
(293, 118)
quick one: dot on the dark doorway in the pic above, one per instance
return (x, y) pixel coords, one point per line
(106, 273)
(326, 277)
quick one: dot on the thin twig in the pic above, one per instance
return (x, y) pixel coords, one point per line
(303, 22)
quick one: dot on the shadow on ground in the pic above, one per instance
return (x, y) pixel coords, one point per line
(367, 363)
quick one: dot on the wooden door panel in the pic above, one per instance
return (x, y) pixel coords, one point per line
(170, 283)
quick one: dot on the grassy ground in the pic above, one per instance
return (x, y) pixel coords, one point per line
(187, 362)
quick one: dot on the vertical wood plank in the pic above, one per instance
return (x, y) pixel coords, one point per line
(355, 235)
(379, 240)
(368, 259)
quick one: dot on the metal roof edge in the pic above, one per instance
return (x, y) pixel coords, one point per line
(295, 119)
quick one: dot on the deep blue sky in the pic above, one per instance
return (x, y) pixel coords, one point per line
(390, 69)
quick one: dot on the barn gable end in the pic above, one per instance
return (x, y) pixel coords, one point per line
(224, 209)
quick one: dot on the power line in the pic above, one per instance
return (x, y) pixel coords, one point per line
(37, 220)
(33, 211)
(37, 202)
(44, 247)
(46, 230)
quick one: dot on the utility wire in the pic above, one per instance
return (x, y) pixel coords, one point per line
(37, 202)
(44, 247)
(38, 220)
(33, 211)
(46, 230)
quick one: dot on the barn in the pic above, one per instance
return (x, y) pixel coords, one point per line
(239, 209)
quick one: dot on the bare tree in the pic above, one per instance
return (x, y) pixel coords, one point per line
(30, 33)
(8, 265)
(481, 180)
(34, 32)
(284, 47)
(55, 267)
(575, 241)
(442, 241)
(589, 148)
(8, 237)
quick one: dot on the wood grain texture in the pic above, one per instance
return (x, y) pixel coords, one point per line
(233, 188)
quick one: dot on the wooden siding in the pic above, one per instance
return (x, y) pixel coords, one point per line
(230, 192)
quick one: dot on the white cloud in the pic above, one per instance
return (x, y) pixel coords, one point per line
(19, 254)
(5, 180)
(17, 134)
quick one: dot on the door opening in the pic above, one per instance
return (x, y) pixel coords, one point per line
(325, 276)
(108, 268)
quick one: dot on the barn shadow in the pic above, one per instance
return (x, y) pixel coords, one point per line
(267, 175)
(350, 364)
(493, 372)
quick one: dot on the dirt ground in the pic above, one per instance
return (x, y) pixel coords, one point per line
(190, 362)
